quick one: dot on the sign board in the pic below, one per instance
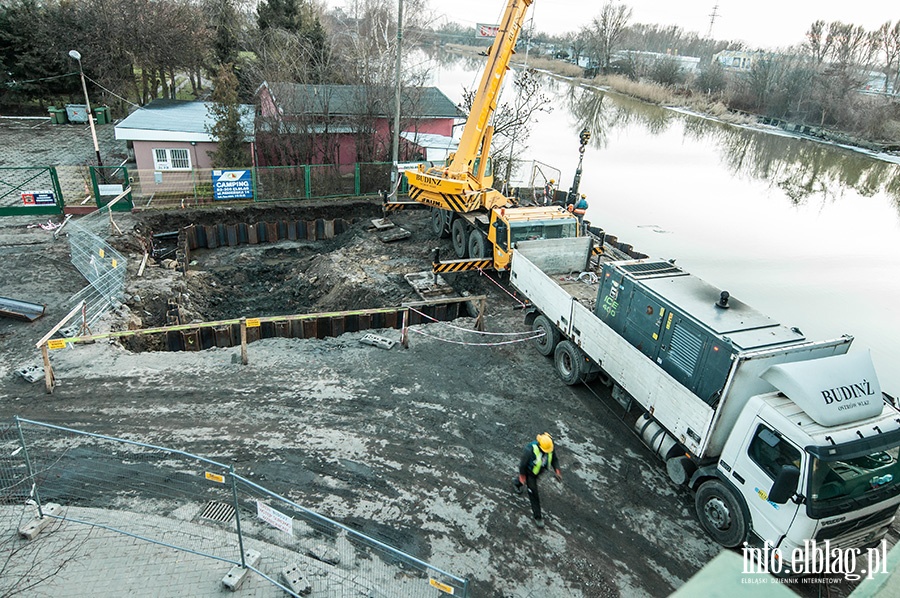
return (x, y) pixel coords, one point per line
(214, 477)
(110, 189)
(44, 197)
(232, 184)
(274, 518)
(484, 30)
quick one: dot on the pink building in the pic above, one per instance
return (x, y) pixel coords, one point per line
(170, 139)
(345, 124)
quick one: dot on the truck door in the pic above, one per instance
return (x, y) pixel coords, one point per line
(754, 473)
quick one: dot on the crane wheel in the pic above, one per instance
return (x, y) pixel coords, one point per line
(477, 245)
(440, 220)
(459, 236)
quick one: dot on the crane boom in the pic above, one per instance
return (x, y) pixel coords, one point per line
(485, 100)
(464, 185)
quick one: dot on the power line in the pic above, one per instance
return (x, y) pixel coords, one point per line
(112, 93)
(15, 83)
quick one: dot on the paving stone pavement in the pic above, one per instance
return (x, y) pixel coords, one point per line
(76, 560)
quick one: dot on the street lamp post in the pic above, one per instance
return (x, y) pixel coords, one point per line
(77, 56)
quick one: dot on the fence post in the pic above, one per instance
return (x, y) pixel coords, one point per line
(306, 181)
(356, 179)
(54, 179)
(237, 516)
(34, 490)
(253, 179)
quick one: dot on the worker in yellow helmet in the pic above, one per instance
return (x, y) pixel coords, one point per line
(537, 457)
(549, 192)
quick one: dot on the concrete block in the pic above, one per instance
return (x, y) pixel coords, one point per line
(325, 553)
(295, 581)
(377, 341)
(30, 529)
(238, 574)
(32, 373)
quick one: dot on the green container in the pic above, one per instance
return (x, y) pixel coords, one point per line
(57, 115)
(102, 113)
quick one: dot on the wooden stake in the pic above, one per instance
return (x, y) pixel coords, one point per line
(244, 358)
(479, 321)
(49, 379)
(404, 332)
(143, 264)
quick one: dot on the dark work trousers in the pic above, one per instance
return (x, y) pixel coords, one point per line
(533, 496)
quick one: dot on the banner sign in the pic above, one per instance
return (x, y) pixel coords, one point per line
(38, 198)
(232, 184)
(274, 518)
(486, 30)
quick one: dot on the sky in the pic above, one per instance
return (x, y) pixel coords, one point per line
(760, 24)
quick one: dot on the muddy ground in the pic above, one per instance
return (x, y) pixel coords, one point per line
(416, 447)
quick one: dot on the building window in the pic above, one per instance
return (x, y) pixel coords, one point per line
(171, 159)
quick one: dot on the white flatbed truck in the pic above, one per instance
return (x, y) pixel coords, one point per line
(783, 440)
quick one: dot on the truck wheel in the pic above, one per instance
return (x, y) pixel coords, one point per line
(720, 513)
(439, 226)
(477, 244)
(569, 361)
(459, 236)
(546, 344)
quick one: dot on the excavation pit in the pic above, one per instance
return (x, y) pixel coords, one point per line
(274, 267)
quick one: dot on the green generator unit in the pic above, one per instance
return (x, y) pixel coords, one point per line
(690, 328)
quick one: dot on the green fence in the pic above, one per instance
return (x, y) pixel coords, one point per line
(107, 183)
(183, 188)
(38, 190)
(29, 190)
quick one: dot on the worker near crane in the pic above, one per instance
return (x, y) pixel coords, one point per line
(549, 191)
(537, 457)
(579, 208)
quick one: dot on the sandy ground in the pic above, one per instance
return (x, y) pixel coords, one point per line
(416, 447)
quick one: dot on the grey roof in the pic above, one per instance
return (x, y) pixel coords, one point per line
(177, 116)
(351, 100)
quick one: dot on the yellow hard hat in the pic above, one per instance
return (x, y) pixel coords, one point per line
(583, 196)
(545, 441)
(552, 181)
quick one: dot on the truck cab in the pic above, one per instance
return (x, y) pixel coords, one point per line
(819, 460)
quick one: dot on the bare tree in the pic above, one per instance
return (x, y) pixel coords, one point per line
(607, 31)
(887, 43)
(512, 120)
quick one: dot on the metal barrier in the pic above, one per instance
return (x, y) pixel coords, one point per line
(189, 503)
(29, 190)
(102, 266)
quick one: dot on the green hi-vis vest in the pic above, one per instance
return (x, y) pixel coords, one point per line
(537, 459)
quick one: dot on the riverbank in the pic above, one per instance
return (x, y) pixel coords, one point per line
(685, 100)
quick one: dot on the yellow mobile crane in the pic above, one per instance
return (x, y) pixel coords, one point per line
(483, 224)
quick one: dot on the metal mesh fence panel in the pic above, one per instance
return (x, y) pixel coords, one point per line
(189, 503)
(102, 266)
(330, 180)
(152, 493)
(282, 182)
(374, 177)
(333, 559)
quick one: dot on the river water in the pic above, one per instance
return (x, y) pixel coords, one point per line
(805, 232)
